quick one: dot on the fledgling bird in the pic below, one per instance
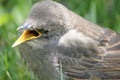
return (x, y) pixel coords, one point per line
(53, 35)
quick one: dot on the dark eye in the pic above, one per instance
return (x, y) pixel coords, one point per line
(43, 31)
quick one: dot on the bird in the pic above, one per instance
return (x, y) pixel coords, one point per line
(54, 40)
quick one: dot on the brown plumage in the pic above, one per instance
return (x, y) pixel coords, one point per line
(52, 34)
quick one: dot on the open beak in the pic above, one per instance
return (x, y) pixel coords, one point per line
(27, 35)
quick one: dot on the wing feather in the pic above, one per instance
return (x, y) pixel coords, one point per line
(86, 58)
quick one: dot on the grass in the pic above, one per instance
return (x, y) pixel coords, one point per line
(61, 72)
(14, 12)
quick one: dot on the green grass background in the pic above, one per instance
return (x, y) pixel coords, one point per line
(14, 12)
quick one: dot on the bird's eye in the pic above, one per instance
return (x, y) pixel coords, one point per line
(43, 31)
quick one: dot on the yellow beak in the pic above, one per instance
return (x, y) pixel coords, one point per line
(27, 35)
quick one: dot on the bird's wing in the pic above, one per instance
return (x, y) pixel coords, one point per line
(84, 57)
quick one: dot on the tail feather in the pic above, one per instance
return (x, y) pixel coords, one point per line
(112, 59)
(113, 54)
(114, 44)
(113, 48)
(114, 40)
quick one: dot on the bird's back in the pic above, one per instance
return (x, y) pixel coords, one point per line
(104, 61)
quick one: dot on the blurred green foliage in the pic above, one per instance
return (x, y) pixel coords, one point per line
(14, 12)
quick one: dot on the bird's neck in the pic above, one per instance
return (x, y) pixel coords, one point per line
(47, 68)
(41, 63)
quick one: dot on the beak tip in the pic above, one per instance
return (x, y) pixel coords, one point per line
(13, 45)
(17, 28)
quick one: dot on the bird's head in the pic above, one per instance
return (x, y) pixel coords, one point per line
(45, 20)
